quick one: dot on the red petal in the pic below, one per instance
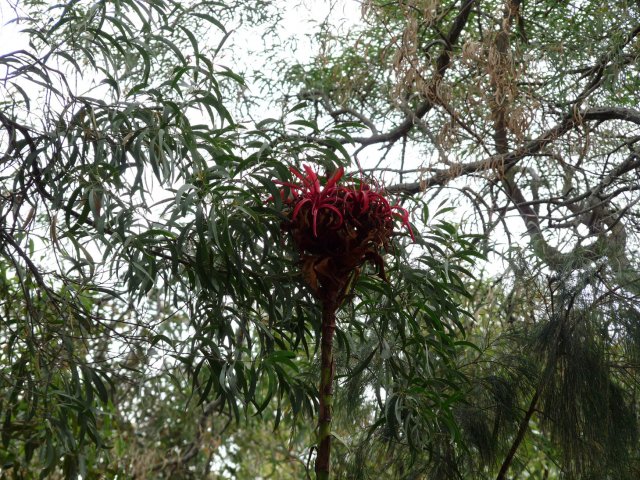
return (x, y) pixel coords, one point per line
(298, 207)
(365, 203)
(404, 216)
(312, 178)
(337, 212)
(297, 173)
(287, 184)
(334, 178)
(307, 184)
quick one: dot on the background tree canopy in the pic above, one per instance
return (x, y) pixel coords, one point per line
(154, 322)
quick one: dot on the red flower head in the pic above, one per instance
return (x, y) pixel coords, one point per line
(337, 228)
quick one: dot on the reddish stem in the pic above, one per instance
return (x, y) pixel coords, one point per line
(327, 370)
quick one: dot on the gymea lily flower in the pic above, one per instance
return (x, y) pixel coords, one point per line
(337, 206)
(336, 229)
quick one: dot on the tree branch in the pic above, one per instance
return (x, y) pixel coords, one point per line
(505, 161)
(442, 64)
(522, 431)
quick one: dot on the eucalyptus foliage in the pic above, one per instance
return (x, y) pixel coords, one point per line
(153, 315)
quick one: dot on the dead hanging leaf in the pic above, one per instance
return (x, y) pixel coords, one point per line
(54, 230)
(30, 216)
(472, 52)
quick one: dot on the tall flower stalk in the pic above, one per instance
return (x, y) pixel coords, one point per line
(336, 228)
